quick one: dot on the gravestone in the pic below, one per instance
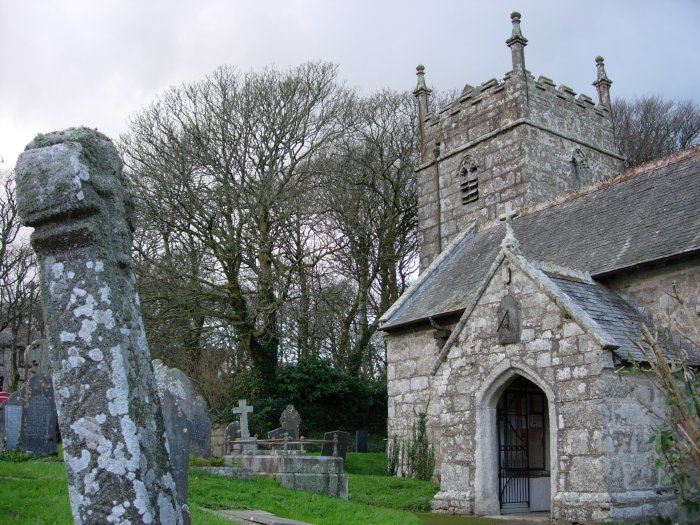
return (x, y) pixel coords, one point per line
(176, 382)
(201, 428)
(290, 420)
(177, 429)
(36, 357)
(244, 410)
(194, 407)
(341, 447)
(361, 441)
(12, 409)
(71, 189)
(278, 434)
(38, 434)
(233, 432)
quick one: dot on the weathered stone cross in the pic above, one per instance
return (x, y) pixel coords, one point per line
(243, 410)
(509, 241)
(71, 188)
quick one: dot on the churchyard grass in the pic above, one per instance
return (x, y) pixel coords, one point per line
(35, 492)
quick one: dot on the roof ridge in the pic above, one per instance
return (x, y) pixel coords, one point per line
(632, 173)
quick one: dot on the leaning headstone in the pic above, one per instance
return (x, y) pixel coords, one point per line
(177, 428)
(194, 407)
(12, 409)
(176, 382)
(201, 428)
(336, 444)
(361, 441)
(38, 434)
(71, 189)
(290, 420)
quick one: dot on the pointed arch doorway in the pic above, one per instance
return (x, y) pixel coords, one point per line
(523, 448)
(515, 459)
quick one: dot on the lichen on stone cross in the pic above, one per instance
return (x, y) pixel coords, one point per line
(509, 241)
(71, 189)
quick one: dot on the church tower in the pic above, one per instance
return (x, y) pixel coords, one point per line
(520, 140)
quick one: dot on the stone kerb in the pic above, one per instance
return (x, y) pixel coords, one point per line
(71, 189)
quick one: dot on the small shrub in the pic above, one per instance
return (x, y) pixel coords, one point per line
(421, 454)
(393, 455)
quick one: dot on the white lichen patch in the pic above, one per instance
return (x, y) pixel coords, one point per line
(104, 294)
(117, 395)
(116, 514)
(67, 337)
(142, 503)
(73, 360)
(77, 502)
(96, 354)
(80, 464)
(87, 328)
(57, 270)
(130, 435)
(168, 514)
(77, 292)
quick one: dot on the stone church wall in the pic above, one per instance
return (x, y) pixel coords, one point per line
(600, 462)
(410, 357)
(471, 125)
(521, 137)
(651, 290)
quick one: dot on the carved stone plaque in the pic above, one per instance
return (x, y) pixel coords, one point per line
(508, 321)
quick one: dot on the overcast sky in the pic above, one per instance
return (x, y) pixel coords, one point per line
(95, 62)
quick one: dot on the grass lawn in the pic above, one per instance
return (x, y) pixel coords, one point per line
(35, 493)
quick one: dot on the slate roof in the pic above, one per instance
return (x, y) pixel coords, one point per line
(649, 214)
(621, 322)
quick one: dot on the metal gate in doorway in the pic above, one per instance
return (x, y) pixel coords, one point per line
(519, 413)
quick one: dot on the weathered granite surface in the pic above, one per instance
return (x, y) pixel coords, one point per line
(71, 189)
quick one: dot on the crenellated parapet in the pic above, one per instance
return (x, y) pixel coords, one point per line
(530, 138)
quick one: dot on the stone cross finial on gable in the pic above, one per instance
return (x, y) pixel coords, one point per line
(509, 241)
(243, 410)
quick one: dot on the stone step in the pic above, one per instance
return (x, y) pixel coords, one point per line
(257, 517)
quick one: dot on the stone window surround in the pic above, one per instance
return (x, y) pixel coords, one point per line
(468, 179)
(579, 167)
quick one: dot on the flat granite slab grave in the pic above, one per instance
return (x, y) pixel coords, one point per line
(255, 517)
(320, 474)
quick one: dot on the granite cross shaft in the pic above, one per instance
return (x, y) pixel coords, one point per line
(243, 410)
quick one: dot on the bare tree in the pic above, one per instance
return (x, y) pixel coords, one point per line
(220, 168)
(19, 301)
(371, 195)
(651, 127)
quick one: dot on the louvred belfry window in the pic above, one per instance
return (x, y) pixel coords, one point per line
(469, 180)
